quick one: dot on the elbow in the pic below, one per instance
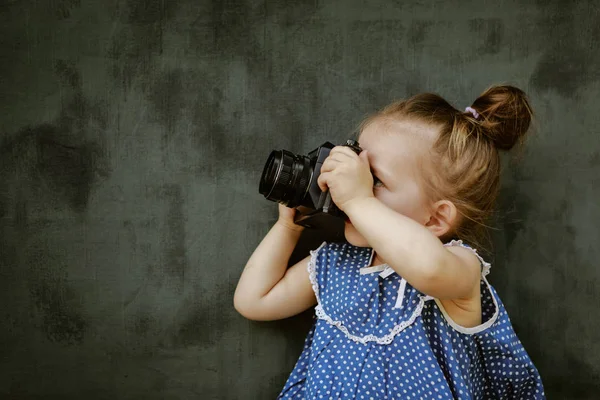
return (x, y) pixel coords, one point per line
(240, 305)
(245, 308)
(243, 311)
(249, 314)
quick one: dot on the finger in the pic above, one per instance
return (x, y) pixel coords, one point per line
(364, 156)
(335, 156)
(322, 181)
(343, 151)
(330, 164)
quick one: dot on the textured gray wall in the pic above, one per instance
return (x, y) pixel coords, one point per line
(134, 134)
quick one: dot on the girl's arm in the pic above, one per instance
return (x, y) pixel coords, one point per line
(414, 252)
(267, 289)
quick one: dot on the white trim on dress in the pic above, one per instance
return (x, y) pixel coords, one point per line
(387, 339)
(484, 272)
(370, 270)
(321, 314)
(474, 329)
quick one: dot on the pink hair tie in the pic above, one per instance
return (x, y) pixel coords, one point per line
(472, 111)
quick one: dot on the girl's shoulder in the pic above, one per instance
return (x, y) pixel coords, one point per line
(485, 266)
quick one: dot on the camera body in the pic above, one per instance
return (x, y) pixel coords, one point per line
(291, 180)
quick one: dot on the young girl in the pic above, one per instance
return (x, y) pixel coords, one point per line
(403, 306)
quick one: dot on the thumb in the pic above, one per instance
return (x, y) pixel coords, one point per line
(363, 155)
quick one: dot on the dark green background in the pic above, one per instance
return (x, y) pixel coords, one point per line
(134, 134)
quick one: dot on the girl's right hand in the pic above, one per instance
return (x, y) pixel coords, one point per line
(286, 218)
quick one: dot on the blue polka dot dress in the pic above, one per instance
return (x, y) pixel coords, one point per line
(377, 337)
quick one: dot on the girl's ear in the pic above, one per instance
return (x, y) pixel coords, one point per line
(442, 218)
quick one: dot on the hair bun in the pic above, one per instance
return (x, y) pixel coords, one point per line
(504, 115)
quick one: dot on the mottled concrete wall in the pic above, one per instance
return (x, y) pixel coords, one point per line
(134, 134)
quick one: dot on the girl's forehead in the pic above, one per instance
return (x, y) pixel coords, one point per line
(396, 142)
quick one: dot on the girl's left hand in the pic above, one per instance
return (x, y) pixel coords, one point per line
(347, 175)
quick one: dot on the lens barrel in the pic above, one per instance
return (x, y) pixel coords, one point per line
(285, 178)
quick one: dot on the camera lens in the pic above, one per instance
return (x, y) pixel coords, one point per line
(285, 178)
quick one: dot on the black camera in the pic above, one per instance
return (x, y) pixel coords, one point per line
(291, 180)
